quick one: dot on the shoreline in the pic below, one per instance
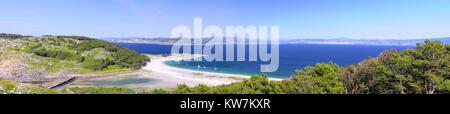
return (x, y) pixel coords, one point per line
(161, 75)
(229, 75)
(163, 61)
(191, 77)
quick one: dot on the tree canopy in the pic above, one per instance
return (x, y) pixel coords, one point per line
(421, 71)
(12, 36)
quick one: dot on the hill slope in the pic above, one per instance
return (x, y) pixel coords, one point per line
(39, 59)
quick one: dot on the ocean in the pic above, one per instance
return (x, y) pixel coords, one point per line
(292, 57)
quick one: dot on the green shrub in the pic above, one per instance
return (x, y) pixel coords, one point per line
(91, 63)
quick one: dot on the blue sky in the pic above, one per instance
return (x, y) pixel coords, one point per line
(296, 18)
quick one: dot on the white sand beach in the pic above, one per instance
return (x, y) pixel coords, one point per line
(158, 69)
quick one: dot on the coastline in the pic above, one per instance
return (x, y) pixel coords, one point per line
(216, 73)
(161, 61)
(190, 77)
(162, 76)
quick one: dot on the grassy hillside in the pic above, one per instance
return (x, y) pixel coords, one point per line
(48, 55)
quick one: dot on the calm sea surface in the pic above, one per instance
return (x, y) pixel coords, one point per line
(292, 57)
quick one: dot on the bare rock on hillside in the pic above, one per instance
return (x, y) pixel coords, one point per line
(16, 71)
(2, 88)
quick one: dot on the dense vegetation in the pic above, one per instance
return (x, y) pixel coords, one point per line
(78, 51)
(11, 36)
(122, 57)
(421, 71)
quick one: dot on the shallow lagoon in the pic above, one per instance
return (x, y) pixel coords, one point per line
(133, 81)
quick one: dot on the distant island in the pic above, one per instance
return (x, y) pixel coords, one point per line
(161, 41)
(349, 41)
(337, 41)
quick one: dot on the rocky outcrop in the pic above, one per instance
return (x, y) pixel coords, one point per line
(17, 71)
(12, 66)
(2, 88)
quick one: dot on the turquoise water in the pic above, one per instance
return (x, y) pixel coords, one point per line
(292, 57)
(125, 81)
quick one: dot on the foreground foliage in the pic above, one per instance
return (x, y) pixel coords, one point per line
(421, 71)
